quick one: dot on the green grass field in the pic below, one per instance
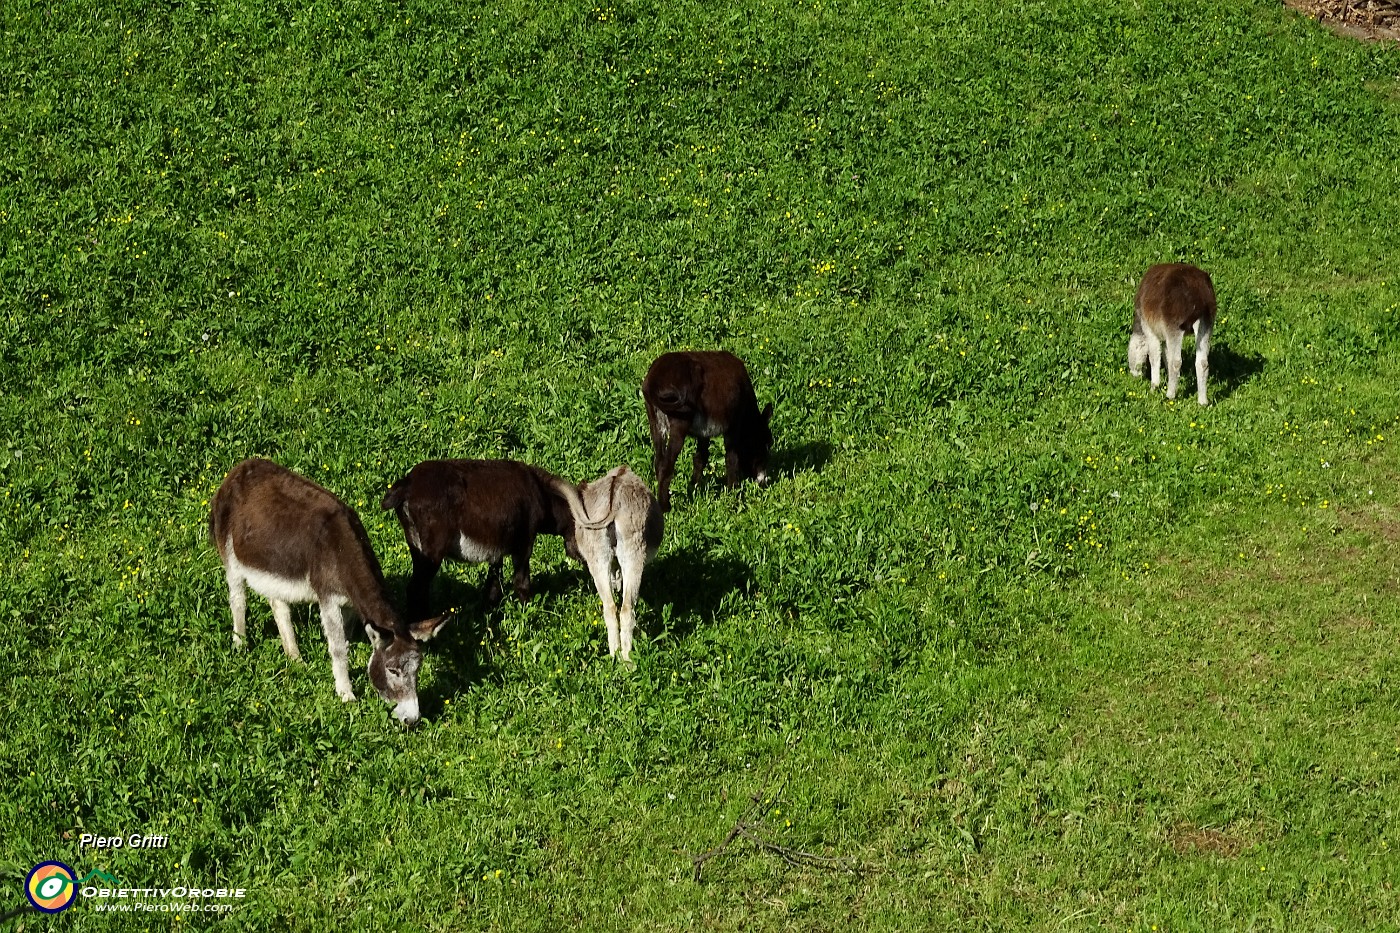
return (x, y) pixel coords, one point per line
(1011, 642)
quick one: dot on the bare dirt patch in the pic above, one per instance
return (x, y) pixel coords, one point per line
(1186, 839)
(1378, 522)
(1375, 20)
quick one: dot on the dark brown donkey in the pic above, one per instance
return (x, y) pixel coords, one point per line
(705, 394)
(294, 542)
(1172, 299)
(476, 511)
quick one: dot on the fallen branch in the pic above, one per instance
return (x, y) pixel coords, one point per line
(11, 914)
(746, 826)
(795, 857)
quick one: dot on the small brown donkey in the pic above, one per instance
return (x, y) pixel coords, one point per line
(626, 527)
(476, 511)
(705, 394)
(1172, 299)
(294, 542)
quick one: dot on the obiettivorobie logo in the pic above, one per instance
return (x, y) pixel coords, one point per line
(52, 887)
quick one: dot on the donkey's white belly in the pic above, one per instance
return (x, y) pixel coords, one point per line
(704, 427)
(270, 585)
(475, 553)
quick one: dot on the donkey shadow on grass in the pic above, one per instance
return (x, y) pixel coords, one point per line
(460, 663)
(783, 463)
(681, 590)
(686, 588)
(1229, 371)
(810, 457)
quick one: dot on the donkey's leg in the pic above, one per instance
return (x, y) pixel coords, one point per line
(238, 606)
(520, 567)
(333, 624)
(701, 461)
(632, 559)
(1174, 338)
(675, 439)
(420, 585)
(494, 571)
(282, 612)
(599, 559)
(1154, 359)
(1137, 353)
(660, 427)
(1202, 360)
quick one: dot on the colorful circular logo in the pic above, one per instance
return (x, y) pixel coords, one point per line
(51, 887)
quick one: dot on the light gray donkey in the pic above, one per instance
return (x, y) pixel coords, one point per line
(615, 520)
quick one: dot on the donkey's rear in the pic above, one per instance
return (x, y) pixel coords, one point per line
(705, 394)
(1172, 299)
(617, 529)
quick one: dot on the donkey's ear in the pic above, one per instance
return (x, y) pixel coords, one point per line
(379, 637)
(767, 413)
(428, 628)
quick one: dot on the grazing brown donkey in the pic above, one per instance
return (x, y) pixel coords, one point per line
(294, 542)
(705, 394)
(1172, 299)
(626, 527)
(476, 511)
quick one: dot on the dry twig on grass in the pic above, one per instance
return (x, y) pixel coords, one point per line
(750, 824)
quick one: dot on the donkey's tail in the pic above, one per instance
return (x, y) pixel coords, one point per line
(395, 496)
(571, 495)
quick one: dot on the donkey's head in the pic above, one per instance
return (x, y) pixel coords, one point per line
(751, 447)
(394, 663)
